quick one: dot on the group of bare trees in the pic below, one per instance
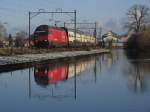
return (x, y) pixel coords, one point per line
(138, 18)
(18, 40)
(138, 24)
(3, 31)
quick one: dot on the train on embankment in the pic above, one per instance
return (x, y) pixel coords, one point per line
(52, 36)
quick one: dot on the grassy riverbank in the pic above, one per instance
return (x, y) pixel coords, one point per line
(34, 58)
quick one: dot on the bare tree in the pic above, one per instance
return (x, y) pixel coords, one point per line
(138, 18)
(3, 32)
(10, 40)
(20, 37)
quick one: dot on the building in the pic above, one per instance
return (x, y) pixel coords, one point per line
(110, 39)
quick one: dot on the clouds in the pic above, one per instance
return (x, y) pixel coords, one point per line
(114, 25)
(15, 12)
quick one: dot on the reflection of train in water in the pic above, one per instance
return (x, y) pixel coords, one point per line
(53, 73)
(47, 74)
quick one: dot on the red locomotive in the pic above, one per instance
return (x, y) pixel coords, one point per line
(45, 35)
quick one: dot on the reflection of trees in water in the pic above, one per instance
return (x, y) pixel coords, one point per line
(110, 58)
(107, 59)
(136, 79)
(138, 70)
(136, 55)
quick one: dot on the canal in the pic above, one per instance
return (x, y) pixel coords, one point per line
(103, 83)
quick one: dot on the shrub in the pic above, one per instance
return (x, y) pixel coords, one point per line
(139, 41)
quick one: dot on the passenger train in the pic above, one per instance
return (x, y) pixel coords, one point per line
(50, 36)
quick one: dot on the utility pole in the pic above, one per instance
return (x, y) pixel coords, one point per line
(95, 32)
(29, 29)
(64, 24)
(75, 26)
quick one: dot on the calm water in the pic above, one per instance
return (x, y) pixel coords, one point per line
(105, 83)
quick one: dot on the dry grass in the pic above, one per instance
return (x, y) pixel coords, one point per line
(19, 51)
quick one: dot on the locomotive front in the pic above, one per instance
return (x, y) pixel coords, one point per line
(41, 36)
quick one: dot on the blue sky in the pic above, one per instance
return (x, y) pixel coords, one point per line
(106, 12)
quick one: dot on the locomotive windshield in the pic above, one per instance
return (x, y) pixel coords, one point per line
(42, 30)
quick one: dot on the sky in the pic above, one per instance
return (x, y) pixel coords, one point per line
(108, 13)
